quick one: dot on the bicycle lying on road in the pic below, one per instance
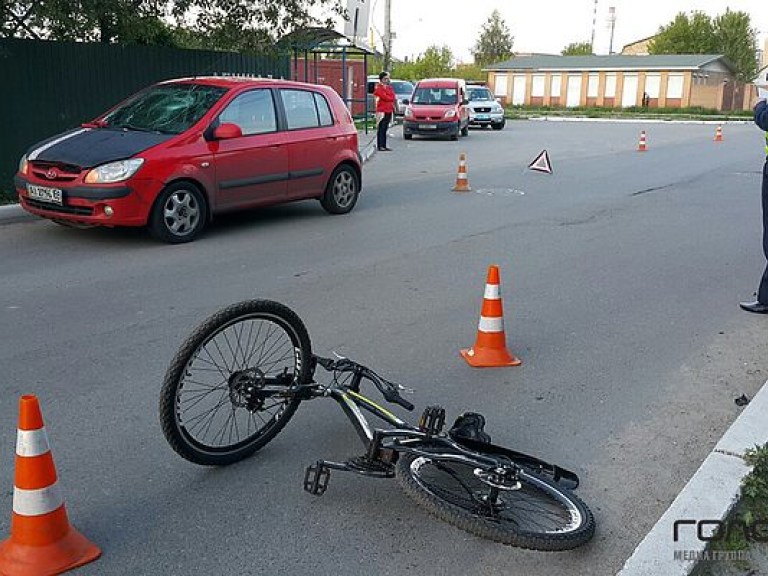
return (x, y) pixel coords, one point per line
(240, 376)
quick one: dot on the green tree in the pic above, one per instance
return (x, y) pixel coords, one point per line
(730, 34)
(435, 62)
(127, 21)
(470, 72)
(249, 24)
(577, 49)
(215, 24)
(495, 41)
(686, 35)
(738, 41)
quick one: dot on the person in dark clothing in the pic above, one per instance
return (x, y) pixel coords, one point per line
(385, 107)
(760, 306)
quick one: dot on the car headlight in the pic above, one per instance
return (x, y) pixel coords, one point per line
(23, 164)
(498, 108)
(450, 113)
(114, 171)
(409, 111)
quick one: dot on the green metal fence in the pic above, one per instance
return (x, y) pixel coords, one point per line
(49, 87)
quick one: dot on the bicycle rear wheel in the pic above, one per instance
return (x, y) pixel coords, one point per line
(230, 388)
(539, 515)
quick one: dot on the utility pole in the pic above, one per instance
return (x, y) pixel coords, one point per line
(594, 21)
(612, 24)
(387, 35)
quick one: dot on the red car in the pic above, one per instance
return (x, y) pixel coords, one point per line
(178, 152)
(438, 107)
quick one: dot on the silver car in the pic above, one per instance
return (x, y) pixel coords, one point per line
(484, 109)
(403, 90)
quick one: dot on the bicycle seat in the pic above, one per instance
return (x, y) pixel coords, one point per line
(470, 425)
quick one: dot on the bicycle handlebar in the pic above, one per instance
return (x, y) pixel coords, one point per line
(390, 390)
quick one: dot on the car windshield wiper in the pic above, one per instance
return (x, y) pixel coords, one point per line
(140, 129)
(132, 128)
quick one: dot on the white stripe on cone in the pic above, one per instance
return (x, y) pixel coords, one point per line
(31, 443)
(492, 292)
(491, 324)
(37, 502)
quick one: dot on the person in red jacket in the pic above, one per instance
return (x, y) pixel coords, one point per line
(385, 107)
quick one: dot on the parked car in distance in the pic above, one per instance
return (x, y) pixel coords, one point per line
(438, 107)
(181, 151)
(484, 109)
(403, 90)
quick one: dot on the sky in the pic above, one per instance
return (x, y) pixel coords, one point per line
(545, 26)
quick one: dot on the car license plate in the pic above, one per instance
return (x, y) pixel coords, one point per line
(482, 117)
(44, 194)
(427, 126)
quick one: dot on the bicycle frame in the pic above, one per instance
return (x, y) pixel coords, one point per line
(382, 444)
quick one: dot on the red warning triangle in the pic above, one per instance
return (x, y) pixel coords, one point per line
(541, 163)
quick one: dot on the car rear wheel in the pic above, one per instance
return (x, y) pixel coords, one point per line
(179, 214)
(342, 190)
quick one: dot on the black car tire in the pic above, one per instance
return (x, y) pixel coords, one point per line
(342, 190)
(499, 126)
(179, 213)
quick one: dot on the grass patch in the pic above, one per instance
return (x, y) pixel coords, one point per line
(693, 113)
(360, 123)
(748, 522)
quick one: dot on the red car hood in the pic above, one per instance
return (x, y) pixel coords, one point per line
(431, 111)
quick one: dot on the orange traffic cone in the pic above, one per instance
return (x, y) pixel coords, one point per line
(490, 349)
(42, 542)
(719, 134)
(462, 183)
(642, 147)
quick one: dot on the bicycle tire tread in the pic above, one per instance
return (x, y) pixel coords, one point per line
(191, 344)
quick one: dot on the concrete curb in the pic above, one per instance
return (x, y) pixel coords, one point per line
(13, 213)
(367, 151)
(709, 495)
(637, 120)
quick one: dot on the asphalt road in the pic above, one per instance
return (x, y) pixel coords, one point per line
(621, 273)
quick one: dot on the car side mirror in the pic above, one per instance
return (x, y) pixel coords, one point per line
(227, 131)
(498, 100)
(465, 102)
(406, 101)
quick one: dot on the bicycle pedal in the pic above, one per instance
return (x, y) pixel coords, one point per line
(367, 467)
(432, 420)
(316, 478)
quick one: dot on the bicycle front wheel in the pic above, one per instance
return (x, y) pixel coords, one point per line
(538, 515)
(230, 388)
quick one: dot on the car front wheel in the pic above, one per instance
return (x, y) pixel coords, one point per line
(342, 190)
(179, 214)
